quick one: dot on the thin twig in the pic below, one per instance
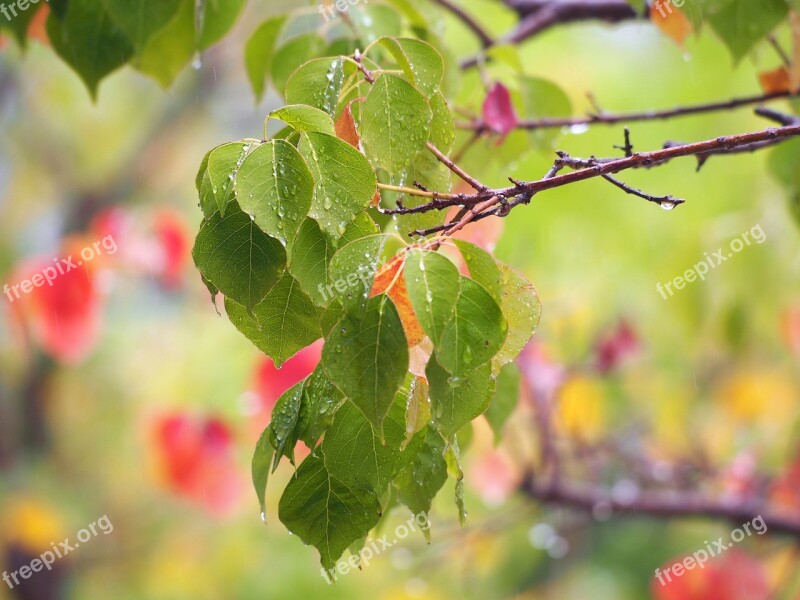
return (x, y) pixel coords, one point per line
(522, 192)
(485, 39)
(632, 117)
(466, 177)
(537, 16)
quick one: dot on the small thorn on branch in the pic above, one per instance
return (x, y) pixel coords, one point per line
(628, 147)
(419, 186)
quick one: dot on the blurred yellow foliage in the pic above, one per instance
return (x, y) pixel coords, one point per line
(581, 411)
(753, 394)
(32, 525)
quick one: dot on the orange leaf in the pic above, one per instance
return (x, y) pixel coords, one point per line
(37, 30)
(346, 127)
(775, 81)
(389, 280)
(670, 21)
(794, 76)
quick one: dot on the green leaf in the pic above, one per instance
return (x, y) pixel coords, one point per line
(453, 459)
(421, 63)
(366, 356)
(543, 98)
(260, 469)
(258, 53)
(89, 41)
(443, 128)
(455, 401)
(375, 21)
(504, 400)
(355, 454)
(291, 55)
(352, 270)
(222, 166)
(743, 23)
(285, 322)
(169, 50)
(395, 123)
(360, 228)
(321, 401)
(276, 187)
(238, 258)
(202, 181)
(418, 484)
(344, 182)
(216, 18)
(475, 333)
(522, 311)
(141, 20)
(433, 287)
(304, 118)
(317, 83)
(309, 255)
(483, 268)
(418, 408)
(325, 512)
(428, 171)
(18, 25)
(283, 427)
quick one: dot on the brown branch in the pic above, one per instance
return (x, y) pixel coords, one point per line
(651, 115)
(463, 175)
(485, 39)
(483, 203)
(660, 504)
(537, 16)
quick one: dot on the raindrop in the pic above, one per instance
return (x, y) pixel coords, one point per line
(579, 128)
(667, 205)
(326, 204)
(263, 517)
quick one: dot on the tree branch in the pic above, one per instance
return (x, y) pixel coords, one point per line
(659, 504)
(479, 126)
(539, 15)
(522, 192)
(485, 39)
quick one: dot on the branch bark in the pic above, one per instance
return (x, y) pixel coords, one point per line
(659, 504)
(540, 15)
(650, 115)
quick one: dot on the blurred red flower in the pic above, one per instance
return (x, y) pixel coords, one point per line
(271, 382)
(197, 460)
(730, 576)
(615, 346)
(63, 314)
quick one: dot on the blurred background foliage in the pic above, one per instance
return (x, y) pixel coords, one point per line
(144, 405)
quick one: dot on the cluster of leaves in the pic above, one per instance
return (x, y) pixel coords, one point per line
(157, 37)
(413, 347)
(738, 23)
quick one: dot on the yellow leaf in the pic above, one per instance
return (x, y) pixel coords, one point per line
(581, 408)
